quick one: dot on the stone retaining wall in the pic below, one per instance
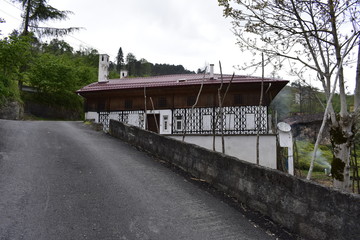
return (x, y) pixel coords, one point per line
(311, 210)
(46, 111)
(11, 110)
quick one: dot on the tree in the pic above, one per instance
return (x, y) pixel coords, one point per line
(313, 35)
(57, 77)
(90, 56)
(58, 47)
(14, 53)
(1, 21)
(36, 11)
(131, 64)
(145, 68)
(119, 60)
(307, 99)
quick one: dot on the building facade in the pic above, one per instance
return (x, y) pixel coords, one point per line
(196, 108)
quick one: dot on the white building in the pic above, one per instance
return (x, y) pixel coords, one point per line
(188, 105)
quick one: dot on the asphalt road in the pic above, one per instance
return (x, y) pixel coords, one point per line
(62, 180)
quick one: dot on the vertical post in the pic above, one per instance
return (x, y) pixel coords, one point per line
(290, 159)
(221, 114)
(153, 108)
(259, 112)
(145, 110)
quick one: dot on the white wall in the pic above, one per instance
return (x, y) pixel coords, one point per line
(242, 147)
(103, 68)
(92, 115)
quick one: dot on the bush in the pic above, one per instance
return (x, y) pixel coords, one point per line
(9, 90)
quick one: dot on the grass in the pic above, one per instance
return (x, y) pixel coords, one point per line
(303, 152)
(319, 177)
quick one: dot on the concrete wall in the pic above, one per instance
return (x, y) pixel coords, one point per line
(311, 210)
(242, 147)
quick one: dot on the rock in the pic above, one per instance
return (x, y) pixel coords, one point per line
(12, 111)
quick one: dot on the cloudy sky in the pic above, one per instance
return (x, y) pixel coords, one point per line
(192, 33)
(187, 32)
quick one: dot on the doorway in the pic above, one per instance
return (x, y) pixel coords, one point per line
(153, 122)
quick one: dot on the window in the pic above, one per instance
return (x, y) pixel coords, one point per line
(206, 122)
(166, 122)
(162, 102)
(230, 121)
(178, 123)
(128, 104)
(250, 121)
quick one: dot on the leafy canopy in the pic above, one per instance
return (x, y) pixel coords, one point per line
(15, 51)
(57, 77)
(38, 11)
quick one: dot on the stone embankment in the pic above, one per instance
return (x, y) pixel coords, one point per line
(12, 111)
(311, 210)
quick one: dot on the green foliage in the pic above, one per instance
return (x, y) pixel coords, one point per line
(57, 47)
(119, 60)
(336, 102)
(337, 169)
(55, 71)
(114, 75)
(164, 69)
(37, 11)
(8, 90)
(304, 152)
(302, 99)
(294, 100)
(57, 77)
(143, 68)
(15, 52)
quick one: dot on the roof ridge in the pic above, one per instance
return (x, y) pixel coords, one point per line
(172, 80)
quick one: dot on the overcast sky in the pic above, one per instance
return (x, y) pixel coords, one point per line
(192, 33)
(187, 32)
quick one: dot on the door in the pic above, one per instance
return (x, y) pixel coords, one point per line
(153, 122)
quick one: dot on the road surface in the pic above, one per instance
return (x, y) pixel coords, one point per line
(63, 180)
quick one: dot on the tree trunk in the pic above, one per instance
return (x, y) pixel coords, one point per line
(342, 134)
(27, 18)
(357, 86)
(259, 111)
(342, 137)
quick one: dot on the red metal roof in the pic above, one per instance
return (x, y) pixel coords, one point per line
(171, 80)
